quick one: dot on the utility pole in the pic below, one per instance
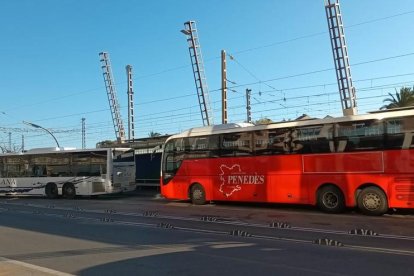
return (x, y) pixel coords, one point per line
(248, 107)
(83, 134)
(341, 59)
(223, 88)
(22, 142)
(10, 147)
(130, 94)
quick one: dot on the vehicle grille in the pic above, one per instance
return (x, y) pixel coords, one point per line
(404, 179)
(404, 188)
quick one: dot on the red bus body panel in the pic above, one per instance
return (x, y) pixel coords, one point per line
(296, 178)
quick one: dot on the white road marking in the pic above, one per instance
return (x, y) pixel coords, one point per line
(32, 267)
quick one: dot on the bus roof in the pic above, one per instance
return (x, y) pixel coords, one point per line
(197, 131)
(229, 128)
(59, 150)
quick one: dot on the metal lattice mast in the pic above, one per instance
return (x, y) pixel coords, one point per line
(340, 55)
(130, 94)
(83, 134)
(10, 146)
(248, 106)
(112, 97)
(223, 88)
(190, 31)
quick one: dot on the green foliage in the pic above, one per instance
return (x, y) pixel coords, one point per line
(154, 134)
(403, 98)
(263, 121)
(106, 144)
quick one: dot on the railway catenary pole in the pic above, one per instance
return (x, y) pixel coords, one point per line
(223, 88)
(340, 56)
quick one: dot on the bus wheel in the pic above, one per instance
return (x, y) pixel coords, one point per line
(197, 194)
(331, 199)
(372, 201)
(51, 190)
(69, 191)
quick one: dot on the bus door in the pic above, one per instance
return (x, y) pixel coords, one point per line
(174, 182)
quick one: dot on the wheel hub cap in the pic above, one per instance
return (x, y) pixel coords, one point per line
(371, 201)
(330, 200)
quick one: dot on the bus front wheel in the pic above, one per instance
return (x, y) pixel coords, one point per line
(372, 201)
(51, 190)
(331, 199)
(197, 194)
(69, 191)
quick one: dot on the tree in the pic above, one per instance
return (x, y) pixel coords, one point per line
(263, 121)
(7, 149)
(106, 144)
(401, 99)
(154, 134)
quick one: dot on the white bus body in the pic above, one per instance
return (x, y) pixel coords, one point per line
(54, 172)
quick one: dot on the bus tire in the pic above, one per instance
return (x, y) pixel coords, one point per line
(69, 191)
(197, 194)
(330, 199)
(372, 201)
(51, 190)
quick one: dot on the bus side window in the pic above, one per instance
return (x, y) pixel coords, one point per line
(236, 144)
(213, 146)
(37, 170)
(318, 139)
(360, 136)
(297, 144)
(197, 147)
(399, 133)
(272, 141)
(261, 142)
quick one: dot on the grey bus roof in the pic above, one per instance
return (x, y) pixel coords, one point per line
(59, 150)
(229, 128)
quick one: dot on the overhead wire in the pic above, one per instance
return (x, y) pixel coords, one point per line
(302, 74)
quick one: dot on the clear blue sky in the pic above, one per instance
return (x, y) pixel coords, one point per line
(50, 71)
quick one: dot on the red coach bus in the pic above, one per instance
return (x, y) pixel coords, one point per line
(364, 161)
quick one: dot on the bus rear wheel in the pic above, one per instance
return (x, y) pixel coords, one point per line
(197, 194)
(331, 199)
(69, 191)
(372, 201)
(51, 190)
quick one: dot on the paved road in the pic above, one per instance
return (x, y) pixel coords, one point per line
(145, 235)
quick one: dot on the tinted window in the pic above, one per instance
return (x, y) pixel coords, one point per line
(312, 139)
(202, 147)
(271, 141)
(236, 144)
(359, 136)
(399, 133)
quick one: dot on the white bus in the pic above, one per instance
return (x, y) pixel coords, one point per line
(54, 172)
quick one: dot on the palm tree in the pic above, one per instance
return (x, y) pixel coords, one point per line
(401, 99)
(154, 134)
